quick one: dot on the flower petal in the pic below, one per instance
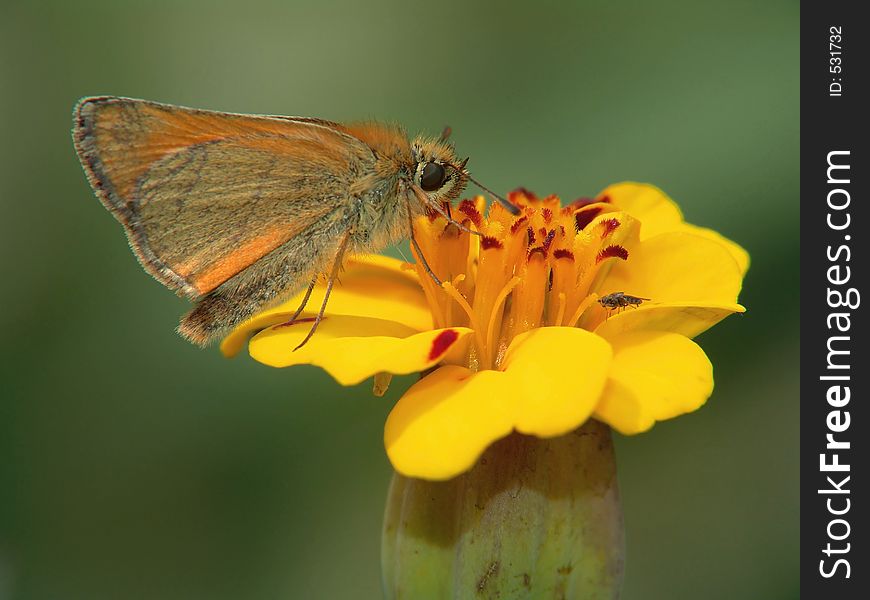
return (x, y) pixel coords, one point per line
(646, 203)
(557, 375)
(446, 420)
(552, 381)
(352, 349)
(677, 267)
(676, 318)
(737, 252)
(653, 376)
(660, 214)
(370, 286)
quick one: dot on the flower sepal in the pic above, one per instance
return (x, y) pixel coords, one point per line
(533, 518)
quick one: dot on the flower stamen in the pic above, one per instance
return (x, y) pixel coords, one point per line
(587, 302)
(561, 313)
(499, 301)
(451, 291)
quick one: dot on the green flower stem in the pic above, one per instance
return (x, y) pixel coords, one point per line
(534, 518)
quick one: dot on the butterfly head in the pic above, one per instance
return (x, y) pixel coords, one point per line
(437, 171)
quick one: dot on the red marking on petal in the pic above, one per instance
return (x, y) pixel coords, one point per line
(570, 209)
(548, 215)
(563, 253)
(531, 233)
(487, 242)
(431, 214)
(562, 229)
(614, 251)
(549, 240)
(468, 208)
(609, 226)
(583, 218)
(605, 198)
(580, 203)
(518, 223)
(442, 343)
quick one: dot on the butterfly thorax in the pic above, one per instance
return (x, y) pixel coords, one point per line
(392, 193)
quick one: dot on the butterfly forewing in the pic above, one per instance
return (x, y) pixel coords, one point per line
(205, 195)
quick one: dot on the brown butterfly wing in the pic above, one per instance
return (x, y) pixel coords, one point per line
(205, 195)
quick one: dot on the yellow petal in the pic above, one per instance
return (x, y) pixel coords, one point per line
(647, 203)
(653, 376)
(238, 337)
(552, 381)
(676, 318)
(352, 349)
(446, 420)
(557, 374)
(677, 267)
(660, 214)
(370, 286)
(737, 252)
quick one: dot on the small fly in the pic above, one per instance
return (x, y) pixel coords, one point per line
(620, 300)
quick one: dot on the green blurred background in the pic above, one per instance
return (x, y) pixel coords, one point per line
(133, 465)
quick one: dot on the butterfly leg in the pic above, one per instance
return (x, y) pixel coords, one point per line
(426, 266)
(304, 300)
(333, 275)
(425, 201)
(302, 305)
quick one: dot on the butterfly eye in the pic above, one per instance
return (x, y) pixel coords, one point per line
(432, 177)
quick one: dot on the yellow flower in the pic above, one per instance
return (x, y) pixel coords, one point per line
(514, 339)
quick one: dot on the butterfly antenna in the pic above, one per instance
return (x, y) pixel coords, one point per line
(511, 208)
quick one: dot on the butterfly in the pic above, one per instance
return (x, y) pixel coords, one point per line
(239, 212)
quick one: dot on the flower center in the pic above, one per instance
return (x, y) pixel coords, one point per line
(537, 269)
